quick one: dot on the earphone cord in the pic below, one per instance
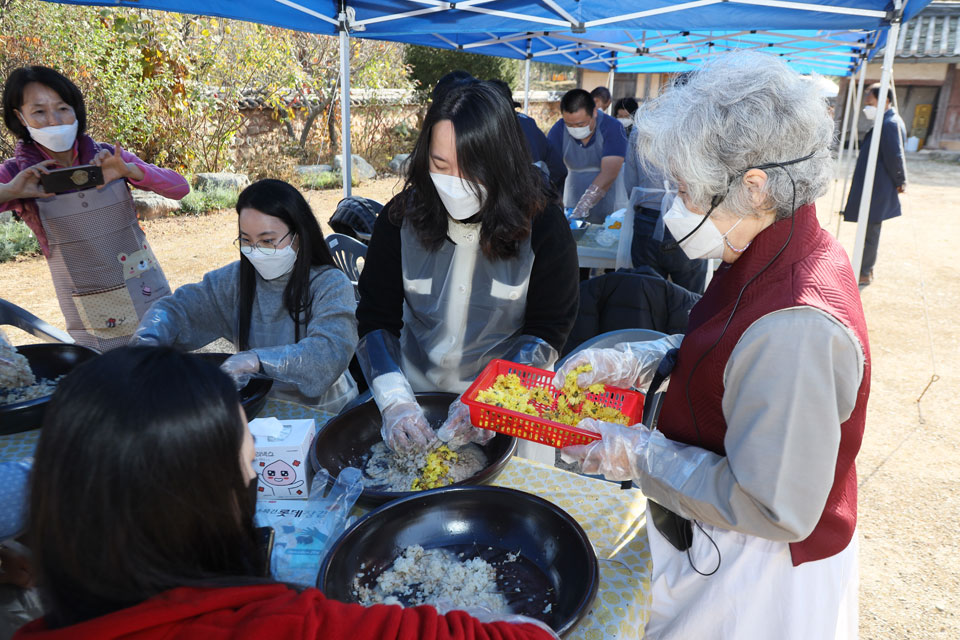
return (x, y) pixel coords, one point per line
(693, 415)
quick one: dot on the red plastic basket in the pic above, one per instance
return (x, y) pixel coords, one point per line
(533, 428)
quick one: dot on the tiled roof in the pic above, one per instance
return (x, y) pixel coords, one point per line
(933, 33)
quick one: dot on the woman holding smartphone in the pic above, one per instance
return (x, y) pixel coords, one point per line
(104, 272)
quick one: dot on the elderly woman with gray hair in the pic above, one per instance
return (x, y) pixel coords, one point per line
(749, 469)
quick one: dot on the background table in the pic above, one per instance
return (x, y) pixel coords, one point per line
(592, 254)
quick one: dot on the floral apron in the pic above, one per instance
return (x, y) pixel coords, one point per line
(103, 270)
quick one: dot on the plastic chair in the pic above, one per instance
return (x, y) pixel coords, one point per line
(15, 316)
(348, 253)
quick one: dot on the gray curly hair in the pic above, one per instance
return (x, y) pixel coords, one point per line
(739, 110)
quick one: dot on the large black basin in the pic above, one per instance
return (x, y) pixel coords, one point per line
(346, 440)
(557, 563)
(50, 360)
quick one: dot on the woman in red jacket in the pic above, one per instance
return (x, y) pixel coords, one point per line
(141, 517)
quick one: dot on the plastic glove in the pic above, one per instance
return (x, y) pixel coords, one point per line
(531, 350)
(404, 428)
(628, 364)
(458, 431)
(587, 201)
(156, 329)
(241, 367)
(615, 455)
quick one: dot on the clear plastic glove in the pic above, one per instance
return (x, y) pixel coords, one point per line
(587, 201)
(616, 455)
(487, 616)
(628, 364)
(458, 431)
(156, 329)
(405, 428)
(241, 367)
(531, 350)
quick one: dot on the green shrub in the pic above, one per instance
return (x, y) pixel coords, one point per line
(197, 202)
(326, 180)
(16, 239)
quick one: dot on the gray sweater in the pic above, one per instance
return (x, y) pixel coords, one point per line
(197, 314)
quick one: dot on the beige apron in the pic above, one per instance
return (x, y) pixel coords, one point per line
(103, 270)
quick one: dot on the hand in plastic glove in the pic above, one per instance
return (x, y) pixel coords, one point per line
(241, 367)
(458, 430)
(629, 364)
(405, 429)
(587, 201)
(147, 340)
(616, 455)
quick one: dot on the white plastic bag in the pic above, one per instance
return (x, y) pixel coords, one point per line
(302, 536)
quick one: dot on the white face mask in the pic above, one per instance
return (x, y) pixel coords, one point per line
(626, 122)
(579, 133)
(458, 198)
(58, 138)
(271, 267)
(706, 242)
(870, 111)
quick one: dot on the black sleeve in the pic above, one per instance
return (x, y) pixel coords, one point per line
(381, 281)
(554, 293)
(891, 152)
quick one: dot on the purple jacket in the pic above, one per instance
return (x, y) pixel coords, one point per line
(165, 182)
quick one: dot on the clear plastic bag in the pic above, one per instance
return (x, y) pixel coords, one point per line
(302, 534)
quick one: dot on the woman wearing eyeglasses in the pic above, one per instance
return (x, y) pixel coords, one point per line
(284, 304)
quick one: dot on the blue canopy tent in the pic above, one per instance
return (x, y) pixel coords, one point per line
(831, 37)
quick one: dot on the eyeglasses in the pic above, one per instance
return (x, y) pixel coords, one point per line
(266, 247)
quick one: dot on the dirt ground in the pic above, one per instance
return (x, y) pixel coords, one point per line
(909, 466)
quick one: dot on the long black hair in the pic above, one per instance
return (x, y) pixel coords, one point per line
(282, 200)
(13, 97)
(491, 151)
(137, 486)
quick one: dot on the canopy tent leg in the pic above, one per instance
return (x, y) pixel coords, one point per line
(841, 151)
(854, 138)
(610, 77)
(864, 216)
(347, 164)
(526, 86)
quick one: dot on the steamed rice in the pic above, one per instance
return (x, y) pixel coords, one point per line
(435, 576)
(408, 470)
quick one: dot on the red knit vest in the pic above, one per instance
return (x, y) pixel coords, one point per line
(813, 270)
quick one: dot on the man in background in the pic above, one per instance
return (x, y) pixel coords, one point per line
(889, 181)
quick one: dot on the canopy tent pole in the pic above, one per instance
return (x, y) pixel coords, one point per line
(610, 77)
(854, 138)
(346, 169)
(841, 150)
(864, 216)
(526, 86)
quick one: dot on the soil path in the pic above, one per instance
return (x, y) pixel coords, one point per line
(909, 466)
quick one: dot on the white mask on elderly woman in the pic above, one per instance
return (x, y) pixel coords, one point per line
(704, 243)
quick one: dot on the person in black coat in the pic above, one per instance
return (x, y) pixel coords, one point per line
(889, 182)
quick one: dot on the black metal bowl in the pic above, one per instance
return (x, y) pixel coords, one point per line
(49, 361)
(557, 565)
(347, 439)
(253, 396)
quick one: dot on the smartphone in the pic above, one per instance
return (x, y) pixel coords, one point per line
(265, 537)
(72, 179)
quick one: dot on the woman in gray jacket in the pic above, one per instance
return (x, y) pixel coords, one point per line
(284, 304)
